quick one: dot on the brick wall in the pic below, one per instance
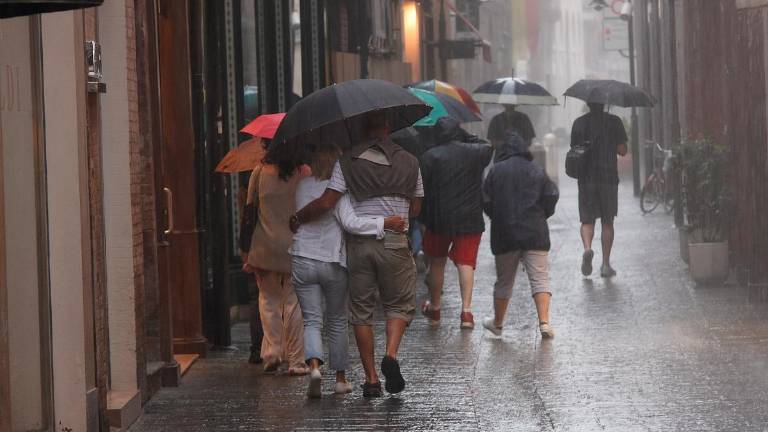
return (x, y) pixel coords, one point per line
(141, 197)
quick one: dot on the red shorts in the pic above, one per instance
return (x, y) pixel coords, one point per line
(461, 249)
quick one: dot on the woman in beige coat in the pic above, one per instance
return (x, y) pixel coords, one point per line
(274, 185)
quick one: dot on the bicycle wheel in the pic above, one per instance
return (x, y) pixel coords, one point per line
(650, 195)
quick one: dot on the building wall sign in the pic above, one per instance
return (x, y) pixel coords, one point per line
(615, 34)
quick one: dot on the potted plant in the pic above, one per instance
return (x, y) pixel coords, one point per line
(706, 200)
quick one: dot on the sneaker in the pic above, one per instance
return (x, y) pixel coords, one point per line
(547, 332)
(607, 271)
(315, 382)
(433, 315)
(372, 390)
(343, 388)
(467, 321)
(586, 262)
(391, 370)
(490, 325)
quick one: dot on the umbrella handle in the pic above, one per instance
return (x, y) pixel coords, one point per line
(169, 207)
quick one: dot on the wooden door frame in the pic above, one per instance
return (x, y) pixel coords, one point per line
(178, 175)
(150, 126)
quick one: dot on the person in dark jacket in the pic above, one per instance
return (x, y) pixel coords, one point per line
(519, 197)
(453, 212)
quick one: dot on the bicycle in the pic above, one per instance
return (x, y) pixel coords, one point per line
(657, 190)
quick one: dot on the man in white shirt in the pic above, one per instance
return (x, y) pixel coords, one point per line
(383, 180)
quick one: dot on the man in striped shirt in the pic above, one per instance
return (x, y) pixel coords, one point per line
(383, 180)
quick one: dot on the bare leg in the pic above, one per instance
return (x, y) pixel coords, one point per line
(364, 338)
(542, 306)
(499, 310)
(341, 377)
(587, 234)
(607, 239)
(314, 364)
(466, 282)
(395, 331)
(436, 281)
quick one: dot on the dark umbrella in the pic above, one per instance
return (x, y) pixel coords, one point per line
(610, 92)
(337, 113)
(513, 91)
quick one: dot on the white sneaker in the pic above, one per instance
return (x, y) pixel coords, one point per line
(490, 325)
(547, 332)
(342, 388)
(315, 381)
(607, 271)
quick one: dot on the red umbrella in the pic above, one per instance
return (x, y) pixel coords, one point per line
(264, 126)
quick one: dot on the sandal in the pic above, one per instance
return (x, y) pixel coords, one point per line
(433, 315)
(298, 370)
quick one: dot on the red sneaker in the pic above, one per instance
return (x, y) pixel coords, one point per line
(432, 315)
(467, 320)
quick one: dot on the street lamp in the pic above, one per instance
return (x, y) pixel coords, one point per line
(626, 15)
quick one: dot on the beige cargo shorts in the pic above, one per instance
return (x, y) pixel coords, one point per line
(380, 272)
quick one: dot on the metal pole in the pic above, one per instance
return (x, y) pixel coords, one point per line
(635, 122)
(442, 49)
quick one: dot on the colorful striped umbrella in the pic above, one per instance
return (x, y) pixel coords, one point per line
(451, 90)
(443, 106)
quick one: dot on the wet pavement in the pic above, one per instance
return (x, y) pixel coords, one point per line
(645, 351)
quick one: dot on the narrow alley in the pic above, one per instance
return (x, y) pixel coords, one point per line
(645, 351)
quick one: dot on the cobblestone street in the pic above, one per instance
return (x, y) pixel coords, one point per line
(645, 351)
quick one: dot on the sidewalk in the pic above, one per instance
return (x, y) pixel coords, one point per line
(646, 351)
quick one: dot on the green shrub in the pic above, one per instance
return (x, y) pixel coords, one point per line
(706, 193)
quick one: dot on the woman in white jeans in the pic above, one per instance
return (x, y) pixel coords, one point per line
(319, 272)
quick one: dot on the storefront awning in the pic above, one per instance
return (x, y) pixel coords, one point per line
(13, 8)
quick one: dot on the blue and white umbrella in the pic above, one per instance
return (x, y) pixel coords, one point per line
(513, 91)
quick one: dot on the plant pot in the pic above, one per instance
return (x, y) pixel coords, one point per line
(708, 262)
(684, 237)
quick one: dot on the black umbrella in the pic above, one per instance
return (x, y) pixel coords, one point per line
(337, 113)
(513, 91)
(610, 92)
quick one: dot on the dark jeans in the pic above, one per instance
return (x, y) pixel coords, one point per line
(257, 332)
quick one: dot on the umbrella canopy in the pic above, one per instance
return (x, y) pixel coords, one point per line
(443, 106)
(610, 92)
(339, 111)
(513, 91)
(264, 126)
(451, 90)
(243, 158)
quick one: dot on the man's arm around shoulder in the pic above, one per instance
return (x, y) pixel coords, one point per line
(316, 208)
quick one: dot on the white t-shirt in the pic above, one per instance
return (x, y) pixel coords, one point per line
(322, 239)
